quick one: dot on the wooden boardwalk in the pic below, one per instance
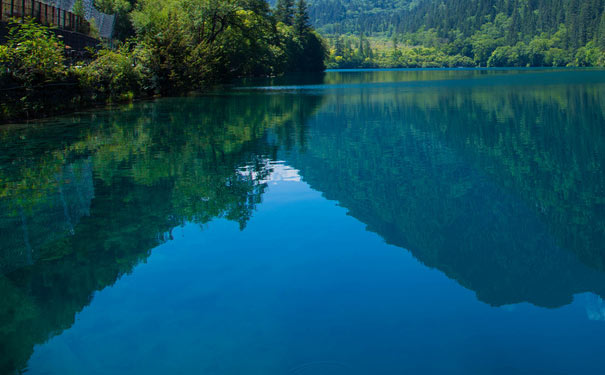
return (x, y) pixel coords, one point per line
(70, 28)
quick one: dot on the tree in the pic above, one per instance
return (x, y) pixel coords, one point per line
(285, 11)
(78, 9)
(301, 18)
(32, 55)
(339, 47)
(123, 27)
(601, 33)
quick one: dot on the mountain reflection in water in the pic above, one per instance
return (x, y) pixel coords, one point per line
(494, 178)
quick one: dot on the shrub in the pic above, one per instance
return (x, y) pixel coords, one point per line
(557, 57)
(589, 55)
(111, 76)
(31, 56)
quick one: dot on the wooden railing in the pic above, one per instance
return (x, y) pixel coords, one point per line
(43, 13)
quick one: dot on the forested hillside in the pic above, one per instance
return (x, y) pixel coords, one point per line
(509, 32)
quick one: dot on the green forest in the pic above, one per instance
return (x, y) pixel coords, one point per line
(486, 33)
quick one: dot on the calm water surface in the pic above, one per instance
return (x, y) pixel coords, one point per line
(367, 222)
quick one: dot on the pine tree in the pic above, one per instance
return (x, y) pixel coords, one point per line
(515, 26)
(339, 47)
(601, 33)
(301, 18)
(361, 44)
(285, 11)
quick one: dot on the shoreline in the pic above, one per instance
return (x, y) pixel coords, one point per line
(87, 104)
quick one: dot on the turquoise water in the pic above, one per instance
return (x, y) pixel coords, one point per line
(364, 222)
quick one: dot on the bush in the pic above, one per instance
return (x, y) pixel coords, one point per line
(517, 55)
(112, 76)
(31, 56)
(458, 61)
(557, 57)
(589, 55)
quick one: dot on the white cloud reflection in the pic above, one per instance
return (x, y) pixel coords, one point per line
(279, 171)
(595, 307)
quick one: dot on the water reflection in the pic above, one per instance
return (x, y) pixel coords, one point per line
(496, 179)
(67, 232)
(595, 308)
(500, 189)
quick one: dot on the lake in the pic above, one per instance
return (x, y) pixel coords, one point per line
(355, 222)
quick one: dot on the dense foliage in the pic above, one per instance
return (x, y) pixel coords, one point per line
(202, 41)
(31, 56)
(352, 52)
(177, 46)
(490, 32)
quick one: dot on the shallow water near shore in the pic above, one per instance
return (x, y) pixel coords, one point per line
(354, 222)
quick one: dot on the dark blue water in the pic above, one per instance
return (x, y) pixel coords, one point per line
(367, 222)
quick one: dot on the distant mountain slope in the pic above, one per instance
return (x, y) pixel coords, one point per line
(340, 16)
(480, 32)
(583, 18)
